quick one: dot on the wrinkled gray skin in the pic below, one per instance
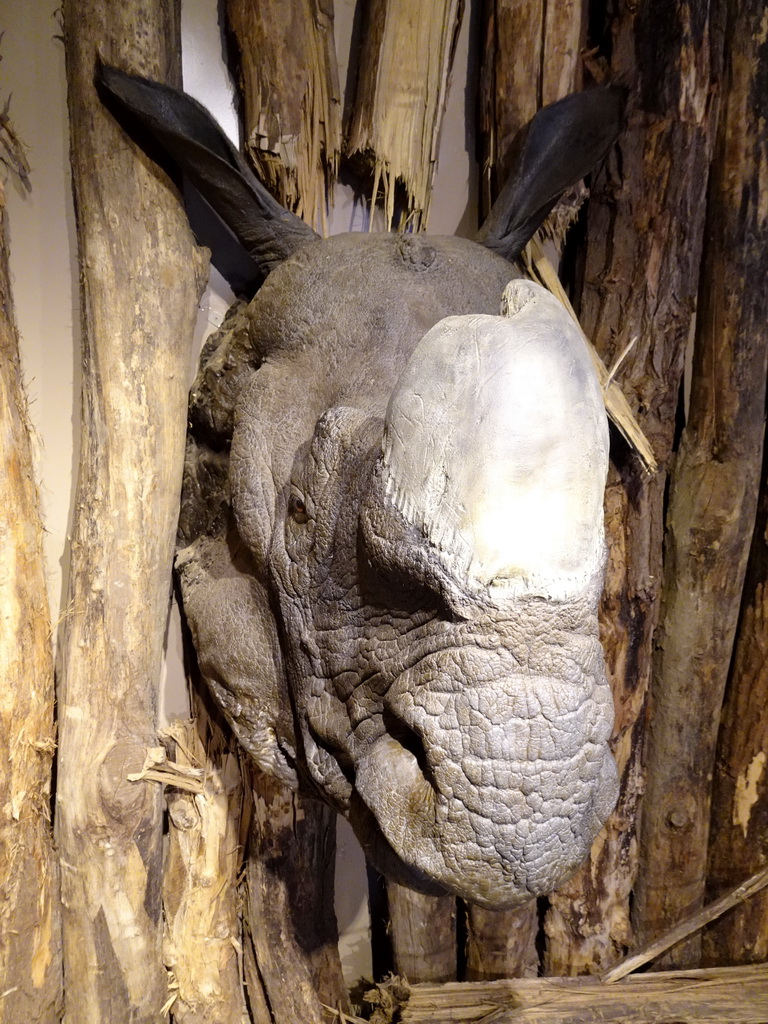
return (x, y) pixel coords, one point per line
(392, 581)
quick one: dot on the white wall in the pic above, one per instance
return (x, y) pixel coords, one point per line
(44, 274)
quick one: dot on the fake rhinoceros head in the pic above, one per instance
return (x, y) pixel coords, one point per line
(392, 523)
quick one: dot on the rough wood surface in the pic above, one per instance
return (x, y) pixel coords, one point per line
(738, 995)
(291, 924)
(202, 944)
(403, 75)
(423, 934)
(141, 276)
(502, 943)
(739, 839)
(291, 98)
(531, 57)
(30, 920)
(640, 278)
(713, 499)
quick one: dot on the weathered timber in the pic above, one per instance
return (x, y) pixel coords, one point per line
(290, 917)
(531, 57)
(713, 498)
(640, 279)
(500, 942)
(403, 75)
(202, 939)
(141, 276)
(291, 98)
(423, 934)
(739, 835)
(738, 995)
(30, 918)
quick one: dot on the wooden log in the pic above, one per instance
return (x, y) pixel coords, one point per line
(531, 57)
(290, 917)
(291, 98)
(738, 995)
(403, 76)
(502, 943)
(739, 837)
(640, 278)
(202, 942)
(141, 275)
(30, 919)
(423, 934)
(712, 502)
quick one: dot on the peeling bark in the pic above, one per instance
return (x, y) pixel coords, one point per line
(30, 919)
(713, 498)
(644, 243)
(141, 276)
(292, 102)
(202, 945)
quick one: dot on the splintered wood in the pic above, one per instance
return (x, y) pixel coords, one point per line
(403, 78)
(292, 104)
(30, 937)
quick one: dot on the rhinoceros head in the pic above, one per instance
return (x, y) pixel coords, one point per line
(392, 524)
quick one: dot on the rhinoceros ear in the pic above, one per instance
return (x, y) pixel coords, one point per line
(195, 142)
(556, 149)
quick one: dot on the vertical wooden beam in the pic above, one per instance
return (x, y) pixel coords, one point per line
(641, 275)
(423, 934)
(713, 498)
(141, 275)
(291, 98)
(291, 922)
(30, 919)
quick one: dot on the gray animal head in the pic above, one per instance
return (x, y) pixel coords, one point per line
(392, 525)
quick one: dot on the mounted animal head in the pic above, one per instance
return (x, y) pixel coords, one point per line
(392, 536)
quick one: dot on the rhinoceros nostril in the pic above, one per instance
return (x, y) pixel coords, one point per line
(410, 740)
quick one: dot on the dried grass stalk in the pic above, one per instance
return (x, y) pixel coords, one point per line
(202, 945)
(402, 85)
(290, 85)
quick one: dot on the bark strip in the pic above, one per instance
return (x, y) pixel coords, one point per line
(141, 276)
(292, 101)
(713, 498)
(30, 919)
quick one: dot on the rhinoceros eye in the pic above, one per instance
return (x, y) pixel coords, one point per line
(297, 510)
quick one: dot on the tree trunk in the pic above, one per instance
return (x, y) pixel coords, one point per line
(200, 899)
(502, 943)
(532, 57)
(290, 916)
(644, 240)
(712, 500)
(423, 934)
(141, 276)
(402, 85)
(292, 102)
(30, 920)
(739, 822)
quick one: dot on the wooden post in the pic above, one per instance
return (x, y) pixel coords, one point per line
(713, 498)
(423, 934)
(141, 276)
(30, 919)
(290, 917)
(292, 102)
(643, 251)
